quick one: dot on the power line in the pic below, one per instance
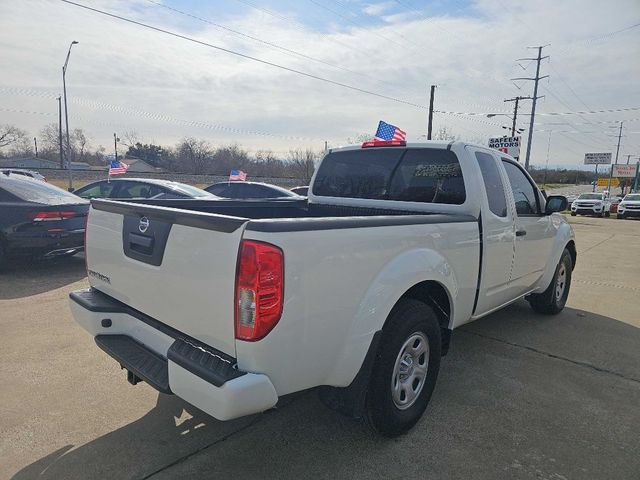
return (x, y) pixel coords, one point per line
(262, 41)
(150, 115)
(243, 55)
(353, 22)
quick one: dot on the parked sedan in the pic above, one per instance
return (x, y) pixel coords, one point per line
(129, 188)
(38, 219)
(25, 173)
(241, 190)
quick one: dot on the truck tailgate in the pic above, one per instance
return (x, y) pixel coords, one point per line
(174, 265)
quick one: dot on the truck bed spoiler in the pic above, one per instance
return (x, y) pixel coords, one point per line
(189, 218)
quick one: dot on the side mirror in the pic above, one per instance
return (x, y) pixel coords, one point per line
(556, 203)
(71, 189)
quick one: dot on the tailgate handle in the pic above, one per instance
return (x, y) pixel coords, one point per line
(141, 243)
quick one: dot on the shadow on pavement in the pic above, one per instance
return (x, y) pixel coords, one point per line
(30, 277)
(519, 396)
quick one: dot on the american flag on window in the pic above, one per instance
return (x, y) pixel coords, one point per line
(237, 175)
(117, 168)
(387, 132)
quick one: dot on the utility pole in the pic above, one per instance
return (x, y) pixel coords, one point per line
(35, 144)
(66, 113)
(617, 153)
(60, 130)
(515, 112)
(115, 145)
(430, 125)
(325, 146)
(535, 97)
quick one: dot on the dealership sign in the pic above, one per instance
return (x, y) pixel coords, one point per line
(604, 182)
(597, 158)
(624, 171)
(508, 145)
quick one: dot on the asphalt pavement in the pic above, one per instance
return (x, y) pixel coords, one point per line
(519, 395)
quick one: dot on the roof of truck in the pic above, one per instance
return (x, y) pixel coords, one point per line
(426, 144)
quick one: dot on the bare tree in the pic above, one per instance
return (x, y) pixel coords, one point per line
(445, 134)
(361, 137)
(301, 164)
(10, 134)
(50, 142)
(194, 155)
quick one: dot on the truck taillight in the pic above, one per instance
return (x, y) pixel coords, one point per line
(259, 290)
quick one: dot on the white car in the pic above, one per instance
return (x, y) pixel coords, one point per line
(232, 305)
(597, 204)
(630, 206)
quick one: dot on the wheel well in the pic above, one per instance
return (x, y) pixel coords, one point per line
(571, 246)
(433, 294)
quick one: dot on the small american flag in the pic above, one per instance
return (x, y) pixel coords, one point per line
(237, 175)
(387, 132)
(117, 168)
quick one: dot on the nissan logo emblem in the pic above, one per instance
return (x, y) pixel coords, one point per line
(143, 225)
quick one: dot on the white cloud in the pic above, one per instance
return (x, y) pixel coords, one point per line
(376, 9)
(470, 58)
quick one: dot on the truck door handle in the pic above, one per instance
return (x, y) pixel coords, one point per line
(521, 233)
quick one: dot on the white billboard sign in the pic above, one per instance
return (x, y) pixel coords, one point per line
(597, 158)
(624, 171)
(508, 145)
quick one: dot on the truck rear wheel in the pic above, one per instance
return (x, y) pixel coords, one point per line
(553, 299)
(406, 368)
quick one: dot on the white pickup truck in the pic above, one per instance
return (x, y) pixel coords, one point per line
(233, 304)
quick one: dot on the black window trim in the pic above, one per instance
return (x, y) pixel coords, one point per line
(536, 190)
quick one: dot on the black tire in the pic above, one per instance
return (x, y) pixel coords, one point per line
(607, 214)
(599, 215)
(549, 302)
(409, 318)
(573, 214)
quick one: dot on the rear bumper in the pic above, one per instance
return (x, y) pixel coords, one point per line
(629, 213)
(588, 210)
(46, 244)
(170, 361)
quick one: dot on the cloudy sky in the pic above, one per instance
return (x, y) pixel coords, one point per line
(127, 77)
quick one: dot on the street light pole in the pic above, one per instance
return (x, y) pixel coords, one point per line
(66, 114)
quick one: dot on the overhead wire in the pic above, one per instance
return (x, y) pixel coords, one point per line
(245, 56)
(264, 42)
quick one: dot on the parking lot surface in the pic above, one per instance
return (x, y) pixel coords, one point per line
(519, 395)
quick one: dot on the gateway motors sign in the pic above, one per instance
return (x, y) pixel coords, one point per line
(508, 145)
(624, 171)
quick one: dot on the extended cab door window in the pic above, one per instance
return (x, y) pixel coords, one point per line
(524, 195)
(534, 230)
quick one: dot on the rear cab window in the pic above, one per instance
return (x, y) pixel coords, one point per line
(427, 175)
